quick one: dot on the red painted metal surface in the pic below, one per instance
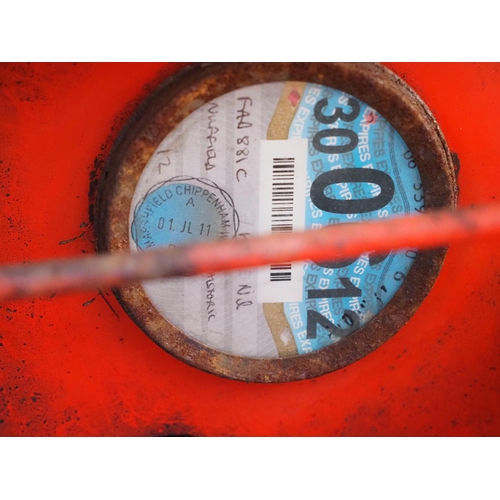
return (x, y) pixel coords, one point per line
(77, 365)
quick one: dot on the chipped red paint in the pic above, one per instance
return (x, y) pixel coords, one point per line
(77, 365)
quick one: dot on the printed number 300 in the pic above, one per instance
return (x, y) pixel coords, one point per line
(317, 193)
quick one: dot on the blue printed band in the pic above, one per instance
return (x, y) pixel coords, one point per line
(341, 297)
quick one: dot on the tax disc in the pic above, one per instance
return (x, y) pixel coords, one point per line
(231, 151)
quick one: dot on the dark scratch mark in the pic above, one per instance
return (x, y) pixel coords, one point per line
(65, 242)
(89, 302)
(109, 304)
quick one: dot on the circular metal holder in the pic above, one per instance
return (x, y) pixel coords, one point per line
(190, 89)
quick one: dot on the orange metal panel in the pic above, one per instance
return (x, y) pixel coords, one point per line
(77, 365)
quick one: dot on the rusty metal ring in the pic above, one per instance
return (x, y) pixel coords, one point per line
(196, 85)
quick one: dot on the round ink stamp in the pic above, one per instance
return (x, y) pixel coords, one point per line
(231, 151)
(183, 210)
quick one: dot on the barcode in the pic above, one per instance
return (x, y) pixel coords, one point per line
(282, 209)
(281, 272)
